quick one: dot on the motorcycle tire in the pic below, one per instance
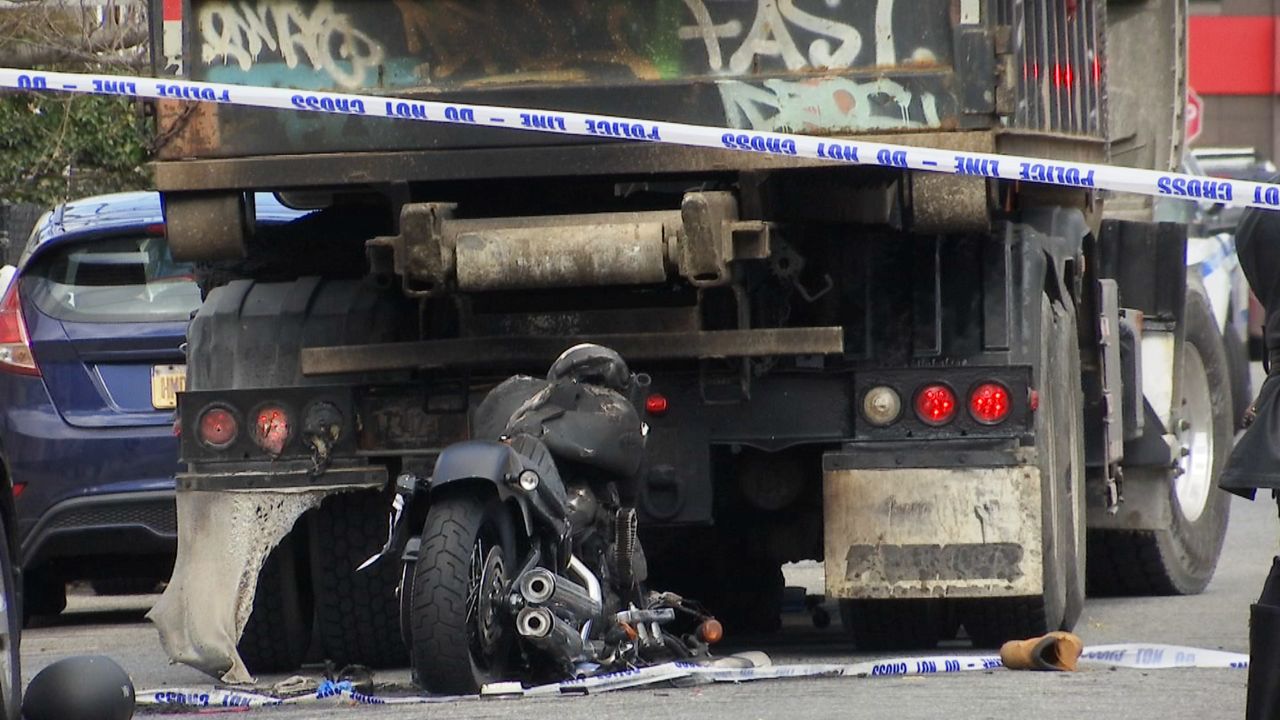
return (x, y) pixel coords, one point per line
(460, 639)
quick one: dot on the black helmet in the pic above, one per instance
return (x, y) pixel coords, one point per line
(86, 687)
(593, 365)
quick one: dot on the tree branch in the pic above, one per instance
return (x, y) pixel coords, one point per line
(103, 48)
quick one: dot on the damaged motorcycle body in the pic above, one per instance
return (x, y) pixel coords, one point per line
(542, 522)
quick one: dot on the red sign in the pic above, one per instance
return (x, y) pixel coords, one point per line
(1195, 115)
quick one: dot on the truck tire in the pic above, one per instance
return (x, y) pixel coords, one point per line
(250, 334)
(891, 625)
(1180, 560)
(278, 633)
(357, 612)
(467, 543)
(1060, 429)
(263, 327)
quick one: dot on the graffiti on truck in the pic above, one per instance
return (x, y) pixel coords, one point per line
(319, 36)
(751, 50)
(828, 104)
(778, 29)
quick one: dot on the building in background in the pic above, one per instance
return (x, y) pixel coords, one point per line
(1233, 68)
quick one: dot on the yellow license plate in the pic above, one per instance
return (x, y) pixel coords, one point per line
(166, 382)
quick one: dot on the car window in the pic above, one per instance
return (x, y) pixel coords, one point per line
(123, 279)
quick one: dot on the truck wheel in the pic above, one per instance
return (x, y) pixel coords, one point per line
(1060, 430)
(1181, 559)
(462, 638)
(890, 625)
(278, 633)
(357, 612)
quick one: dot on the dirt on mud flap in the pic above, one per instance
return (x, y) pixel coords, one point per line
(223, 540)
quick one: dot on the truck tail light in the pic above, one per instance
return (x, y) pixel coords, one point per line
(989, 403)
(271, 428)
(656, 405)
(935, 404)
(15, 344)
(218, 428)
(881, 406)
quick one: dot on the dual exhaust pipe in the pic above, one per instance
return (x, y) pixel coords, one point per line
(550, 599)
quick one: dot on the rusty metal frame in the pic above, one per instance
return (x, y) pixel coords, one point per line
(505, 351)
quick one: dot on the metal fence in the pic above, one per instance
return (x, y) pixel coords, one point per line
(16, 221)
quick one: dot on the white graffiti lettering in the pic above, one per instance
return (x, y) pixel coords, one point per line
(829, 104)
(325, 39)
(770, 36)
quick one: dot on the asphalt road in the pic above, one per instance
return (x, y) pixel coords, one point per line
(1217, 619)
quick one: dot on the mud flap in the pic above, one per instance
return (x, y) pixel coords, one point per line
(933, 532)
(224, 538)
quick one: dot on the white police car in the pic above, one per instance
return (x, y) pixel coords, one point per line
(1212, 261)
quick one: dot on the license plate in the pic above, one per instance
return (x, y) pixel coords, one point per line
(166, 382)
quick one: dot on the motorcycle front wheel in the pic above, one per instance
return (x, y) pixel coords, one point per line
(462, 636)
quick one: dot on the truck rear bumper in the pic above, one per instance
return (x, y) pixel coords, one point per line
(933, 532)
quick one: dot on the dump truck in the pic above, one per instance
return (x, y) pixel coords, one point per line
(972, 399)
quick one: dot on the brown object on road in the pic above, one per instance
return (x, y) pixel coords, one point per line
(1055, 651)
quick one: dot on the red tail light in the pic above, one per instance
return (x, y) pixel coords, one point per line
(271, 429)
(989, 403)
(18, 488)
(218, 428)
(15, 344)
(936, 405)
(656, 404)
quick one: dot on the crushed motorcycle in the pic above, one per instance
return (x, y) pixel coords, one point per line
(528, 565)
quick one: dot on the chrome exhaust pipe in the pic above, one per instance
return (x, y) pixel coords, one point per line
(549, 633)
(593, 589)
(541, 588)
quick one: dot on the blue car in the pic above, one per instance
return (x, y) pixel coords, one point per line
(92, 328)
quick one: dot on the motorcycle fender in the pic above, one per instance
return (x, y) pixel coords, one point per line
(486, 462)
(933, 532)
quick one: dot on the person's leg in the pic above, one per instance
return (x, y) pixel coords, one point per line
(1264, 650)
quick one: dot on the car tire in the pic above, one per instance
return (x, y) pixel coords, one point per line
(1181, 559)
(11, 626)
(43, 596)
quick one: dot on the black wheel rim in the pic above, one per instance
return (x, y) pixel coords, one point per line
(488, 577)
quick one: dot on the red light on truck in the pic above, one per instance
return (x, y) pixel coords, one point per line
(656, 404)
(218, 428)
(936, 405)
(989, 403)
(271, 429)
